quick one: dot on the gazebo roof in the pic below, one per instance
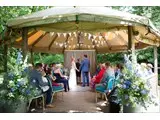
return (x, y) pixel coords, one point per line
(69, 28)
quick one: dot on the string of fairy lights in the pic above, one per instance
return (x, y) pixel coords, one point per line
(97, 40)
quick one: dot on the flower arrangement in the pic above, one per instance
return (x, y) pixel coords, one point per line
(134, 88)
(18, 86)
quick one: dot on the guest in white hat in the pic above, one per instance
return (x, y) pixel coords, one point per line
(149, 68)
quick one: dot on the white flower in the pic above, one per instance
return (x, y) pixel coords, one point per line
(20, 79)
(1, 80)
(10, 95)
(11, 82)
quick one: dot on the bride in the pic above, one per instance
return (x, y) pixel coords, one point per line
(72, 76)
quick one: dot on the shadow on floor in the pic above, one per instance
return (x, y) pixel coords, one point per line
(78, 100)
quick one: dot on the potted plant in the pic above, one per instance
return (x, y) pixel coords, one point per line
(134, 88)
(17, 89)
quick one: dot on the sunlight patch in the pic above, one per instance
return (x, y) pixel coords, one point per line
(74, 111)
(103, 104)
(97, 108)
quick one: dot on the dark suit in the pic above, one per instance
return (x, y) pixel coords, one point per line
(85, 66)
(36, 80)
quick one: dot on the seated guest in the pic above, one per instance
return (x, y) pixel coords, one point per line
(144, 70)
(96, 79)
(98, 68)
(149, 68)
(55, 86)
(45, 68)
(118, 72)
(109, 74)
(53, 68)
(52, 78)
(41, 84)
(60, 78)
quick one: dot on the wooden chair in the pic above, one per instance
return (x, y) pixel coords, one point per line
(35, 98)
(103, 90)
(57, 89)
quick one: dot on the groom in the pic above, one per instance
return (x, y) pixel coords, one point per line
(84, 68)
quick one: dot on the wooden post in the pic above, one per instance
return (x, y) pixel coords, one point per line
(32, 61)
(5, 57)
(24, 42)
(131, 44)
(156, 67)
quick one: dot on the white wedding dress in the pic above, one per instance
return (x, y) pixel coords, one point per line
(72, 76)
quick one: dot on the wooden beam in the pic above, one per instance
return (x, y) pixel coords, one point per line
(29, 35)
(5, 57)
(95, 46)
(52, 41)
(156, 67)
(32, 60)
(129, 37)
(24, 42)
(155, 60)
(131, 44)
(67, 37)
(40, 38)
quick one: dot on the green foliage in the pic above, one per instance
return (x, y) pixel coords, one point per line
(110, 57)
(146, 55)
(48, 58)
(6, 13)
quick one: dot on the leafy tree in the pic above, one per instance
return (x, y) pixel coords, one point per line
(6, 13)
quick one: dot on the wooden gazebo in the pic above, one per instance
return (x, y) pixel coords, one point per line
(85, 28)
